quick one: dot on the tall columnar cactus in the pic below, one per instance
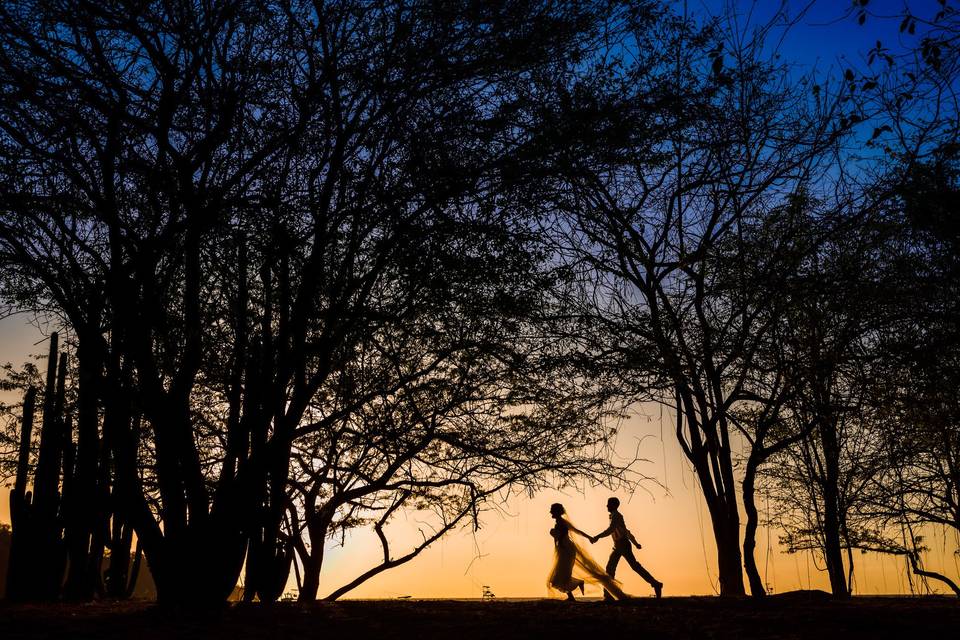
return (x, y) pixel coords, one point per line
(37, 554)
(46, 480)
(62, 527)
(20, 498)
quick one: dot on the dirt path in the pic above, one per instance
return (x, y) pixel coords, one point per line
(809, 617)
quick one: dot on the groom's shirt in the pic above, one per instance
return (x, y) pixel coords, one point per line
(617, 529)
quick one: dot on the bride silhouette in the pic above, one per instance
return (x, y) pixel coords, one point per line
(569, 556)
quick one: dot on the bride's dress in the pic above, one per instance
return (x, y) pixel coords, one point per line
(571, 559)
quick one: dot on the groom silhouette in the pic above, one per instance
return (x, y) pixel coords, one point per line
(622, 539)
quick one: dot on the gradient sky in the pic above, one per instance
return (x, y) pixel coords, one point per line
(512, 552)
(827, 34)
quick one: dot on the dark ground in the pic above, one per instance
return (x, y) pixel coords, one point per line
(807, 615)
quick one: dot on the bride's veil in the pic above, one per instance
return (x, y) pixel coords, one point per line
(590, 570)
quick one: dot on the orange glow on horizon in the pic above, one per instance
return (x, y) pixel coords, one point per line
(512, 552)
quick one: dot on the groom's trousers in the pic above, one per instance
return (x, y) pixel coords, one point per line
(623, 549)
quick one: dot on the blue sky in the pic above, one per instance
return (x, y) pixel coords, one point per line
(828, 34)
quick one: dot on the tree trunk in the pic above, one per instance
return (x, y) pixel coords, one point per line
(730, 567)
(713, 466)
(729, 561)
(277, 554)
(195, 569)
(121, 434)
(832, 548)
(313, 561)
(269, 557)
(101, 519)
(120, 547)
(312, 565)
(85, 509)
(197, 558)
(134, 574)
(725, 521)
(757, 588)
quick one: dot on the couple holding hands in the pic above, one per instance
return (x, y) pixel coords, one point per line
(569, 555)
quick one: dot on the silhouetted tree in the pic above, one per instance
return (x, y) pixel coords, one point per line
(915, 486)
(834, 324)
(105, 225)
(708, 141)
(145, 147)
(466, 401)
(769, 257)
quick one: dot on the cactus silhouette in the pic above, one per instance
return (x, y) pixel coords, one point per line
(69, 511)
(37, 559)
(20, 498)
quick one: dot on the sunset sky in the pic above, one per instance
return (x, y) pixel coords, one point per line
(512, 552)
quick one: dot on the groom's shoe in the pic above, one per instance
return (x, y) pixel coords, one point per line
(658, 589)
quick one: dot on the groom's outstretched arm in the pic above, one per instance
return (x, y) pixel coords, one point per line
(616, 522)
